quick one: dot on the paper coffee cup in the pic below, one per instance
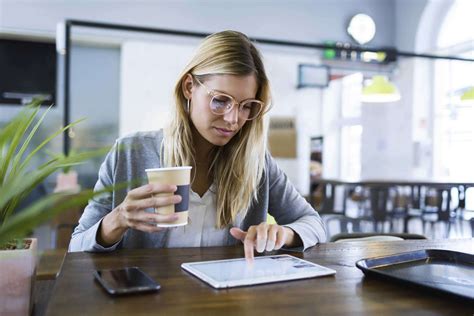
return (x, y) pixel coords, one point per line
(181, 177)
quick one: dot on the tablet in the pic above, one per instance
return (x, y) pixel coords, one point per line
(266, 269)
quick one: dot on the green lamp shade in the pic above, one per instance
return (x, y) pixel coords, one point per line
(380, 90)
(468, 96)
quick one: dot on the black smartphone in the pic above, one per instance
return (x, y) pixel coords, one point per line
(125, 281)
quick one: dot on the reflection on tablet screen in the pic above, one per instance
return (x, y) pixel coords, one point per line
(270, 266)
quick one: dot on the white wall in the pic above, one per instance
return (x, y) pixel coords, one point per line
(149, 73)
(407, 16)
(331, 115)
(299, 20)
(302, 104)
(395, 142)
(386, 141)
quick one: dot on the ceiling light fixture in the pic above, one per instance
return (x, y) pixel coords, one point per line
(468, 96)
(380, 90)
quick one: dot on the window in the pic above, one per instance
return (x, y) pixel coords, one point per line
(453, 129)
(351, 128)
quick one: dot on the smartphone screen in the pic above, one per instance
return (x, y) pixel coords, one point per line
(127, 280)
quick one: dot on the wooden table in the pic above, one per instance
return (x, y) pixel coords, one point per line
(346, 293)
(49, 265)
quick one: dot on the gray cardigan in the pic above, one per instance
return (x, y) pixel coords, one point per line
(133, 154)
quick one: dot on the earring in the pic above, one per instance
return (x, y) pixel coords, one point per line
(188, 105)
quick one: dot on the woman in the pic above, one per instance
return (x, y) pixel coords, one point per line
(218, 128)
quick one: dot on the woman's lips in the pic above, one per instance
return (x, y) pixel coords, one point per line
(224, 132)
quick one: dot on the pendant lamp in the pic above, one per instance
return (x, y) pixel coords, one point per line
(380, 90)
(468, 96)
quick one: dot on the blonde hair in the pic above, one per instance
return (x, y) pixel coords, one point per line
(237, 167)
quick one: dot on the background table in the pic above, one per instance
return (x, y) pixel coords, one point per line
(346, 293)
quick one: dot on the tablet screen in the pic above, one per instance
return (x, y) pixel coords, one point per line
(238, 272)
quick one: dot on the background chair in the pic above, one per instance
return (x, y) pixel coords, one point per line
(465, 209)
(437, 209)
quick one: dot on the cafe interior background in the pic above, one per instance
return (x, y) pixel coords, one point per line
(115, 63)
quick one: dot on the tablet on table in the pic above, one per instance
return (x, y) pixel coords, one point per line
(265, 269)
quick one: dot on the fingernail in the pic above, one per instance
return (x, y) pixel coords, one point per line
(270, 245)
(261, 245)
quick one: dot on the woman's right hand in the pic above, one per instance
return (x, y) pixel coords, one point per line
(131, 213)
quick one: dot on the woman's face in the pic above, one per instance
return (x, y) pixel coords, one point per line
(219, 129)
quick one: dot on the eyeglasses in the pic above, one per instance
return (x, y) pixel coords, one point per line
(222, 104)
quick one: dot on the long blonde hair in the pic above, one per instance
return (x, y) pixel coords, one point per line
(237, 167)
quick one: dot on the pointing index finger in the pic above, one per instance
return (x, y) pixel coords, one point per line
(249, 243)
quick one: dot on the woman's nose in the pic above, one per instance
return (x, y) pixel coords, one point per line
(233, 116)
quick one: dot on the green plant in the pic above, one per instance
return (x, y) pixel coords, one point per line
(59, 156)
(18, 178)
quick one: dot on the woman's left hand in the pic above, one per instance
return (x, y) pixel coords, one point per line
(263, 237)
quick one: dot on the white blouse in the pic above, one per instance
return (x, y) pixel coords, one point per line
(201, 230)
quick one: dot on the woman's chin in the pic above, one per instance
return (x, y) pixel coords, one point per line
(219, 139)
(220, 142)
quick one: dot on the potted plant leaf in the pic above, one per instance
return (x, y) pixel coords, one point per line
(17, 179)
(67, 178)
